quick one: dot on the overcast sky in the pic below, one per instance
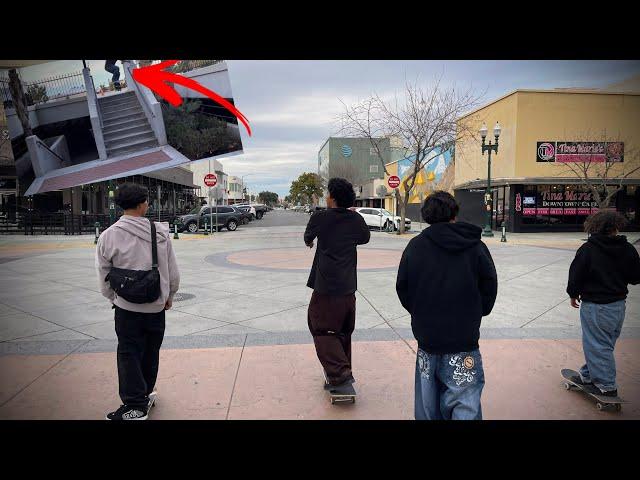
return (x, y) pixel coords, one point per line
(291, 105)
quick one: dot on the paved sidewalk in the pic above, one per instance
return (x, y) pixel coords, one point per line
(285, 382)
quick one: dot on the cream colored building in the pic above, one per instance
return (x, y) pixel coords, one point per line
(543, 134)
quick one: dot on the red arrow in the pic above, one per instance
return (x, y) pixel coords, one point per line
(157, 79)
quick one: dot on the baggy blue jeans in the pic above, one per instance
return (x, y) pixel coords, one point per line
(601, 326)
(448, 386)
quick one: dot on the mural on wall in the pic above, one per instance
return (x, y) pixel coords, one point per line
(436, 175)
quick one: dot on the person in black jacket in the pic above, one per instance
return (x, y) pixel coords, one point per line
(447, 282)
(332, 310)
(598, 279)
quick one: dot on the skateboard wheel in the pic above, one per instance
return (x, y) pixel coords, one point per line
(333, 401)
(599, 406)
(567, 386)
(618, 407)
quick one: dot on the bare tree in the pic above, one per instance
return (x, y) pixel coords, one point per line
(425, 122)
(602, 166)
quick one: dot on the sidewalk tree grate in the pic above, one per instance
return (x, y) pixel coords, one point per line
(181, 297)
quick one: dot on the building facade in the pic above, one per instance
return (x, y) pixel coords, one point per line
(549, 139)
(357, 160)
(219, 193)
(236, 190)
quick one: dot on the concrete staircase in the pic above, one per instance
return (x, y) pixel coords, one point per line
(125, 127)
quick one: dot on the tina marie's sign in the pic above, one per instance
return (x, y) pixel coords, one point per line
(580, 152)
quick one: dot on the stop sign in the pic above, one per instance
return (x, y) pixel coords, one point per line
(394, 181)
(210, 180)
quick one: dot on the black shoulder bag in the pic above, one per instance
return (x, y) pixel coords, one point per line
(138, 286)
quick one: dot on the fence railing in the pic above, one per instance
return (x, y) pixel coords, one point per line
(51, 224)
(59, 223)
(47, 89)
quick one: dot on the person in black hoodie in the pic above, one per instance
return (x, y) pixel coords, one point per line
(598, 279)
(332, 310)
(447, 282)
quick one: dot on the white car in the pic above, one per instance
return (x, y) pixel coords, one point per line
(379, 217)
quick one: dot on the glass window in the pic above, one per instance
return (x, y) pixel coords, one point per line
(571, 200)
(507, 194)
(555, 204)
(529, 204)
(373, 168)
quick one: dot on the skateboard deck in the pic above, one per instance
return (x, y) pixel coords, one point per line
(572, 381)
(344, 394)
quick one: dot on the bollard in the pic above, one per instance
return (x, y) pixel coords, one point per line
(175, 232)
(95, 242)
(504, 232)
(205, 228)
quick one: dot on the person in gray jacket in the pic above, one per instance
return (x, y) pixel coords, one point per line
(139, 326)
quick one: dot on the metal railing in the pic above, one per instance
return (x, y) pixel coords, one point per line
(40, 143)
(95, 96)
(47, 89)
(60, 223)
(145, 101)
(187, 65)
(36, 223)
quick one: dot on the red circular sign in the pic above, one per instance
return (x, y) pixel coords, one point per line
(210, 180)
(394, 181)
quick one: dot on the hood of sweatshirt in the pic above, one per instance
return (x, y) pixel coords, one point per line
(454, 237)
(610, 245)
(141, 228)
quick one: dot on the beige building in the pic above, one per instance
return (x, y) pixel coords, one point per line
(547, 137)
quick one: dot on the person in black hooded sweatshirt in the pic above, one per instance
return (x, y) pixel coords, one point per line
(598, 279)
(447, 282)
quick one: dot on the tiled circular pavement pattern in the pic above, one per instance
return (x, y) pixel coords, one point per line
(301, 259)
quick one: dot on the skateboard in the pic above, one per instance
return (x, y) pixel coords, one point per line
(344, 394)
(572, 382)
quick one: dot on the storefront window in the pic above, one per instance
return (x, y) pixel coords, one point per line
(571, 200)
(529, 205)
(555, 204)
(507, 195)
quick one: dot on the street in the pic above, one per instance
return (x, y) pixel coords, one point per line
(241, 310)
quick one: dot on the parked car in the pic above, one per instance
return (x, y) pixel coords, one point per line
(260, 209)
(248, 211)
(246, 216)
(227, 217)
(379, 217)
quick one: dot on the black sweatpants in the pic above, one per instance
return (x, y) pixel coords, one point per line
(332, 319)
(140, 336)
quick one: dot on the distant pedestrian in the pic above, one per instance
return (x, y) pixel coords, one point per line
(140, 288)
(333, 278)
(598, 278)
(447, 282)
(110, 66)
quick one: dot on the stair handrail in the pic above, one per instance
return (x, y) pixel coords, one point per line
(93, 88)
(150, 105)
(40, 143)
(127, 66)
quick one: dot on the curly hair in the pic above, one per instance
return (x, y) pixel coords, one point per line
(342, 192)
(439, 207)
(604, 222)
(130, 195)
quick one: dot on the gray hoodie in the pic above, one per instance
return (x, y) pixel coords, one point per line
(127, 244)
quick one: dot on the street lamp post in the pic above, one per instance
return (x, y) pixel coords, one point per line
(487, 232)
